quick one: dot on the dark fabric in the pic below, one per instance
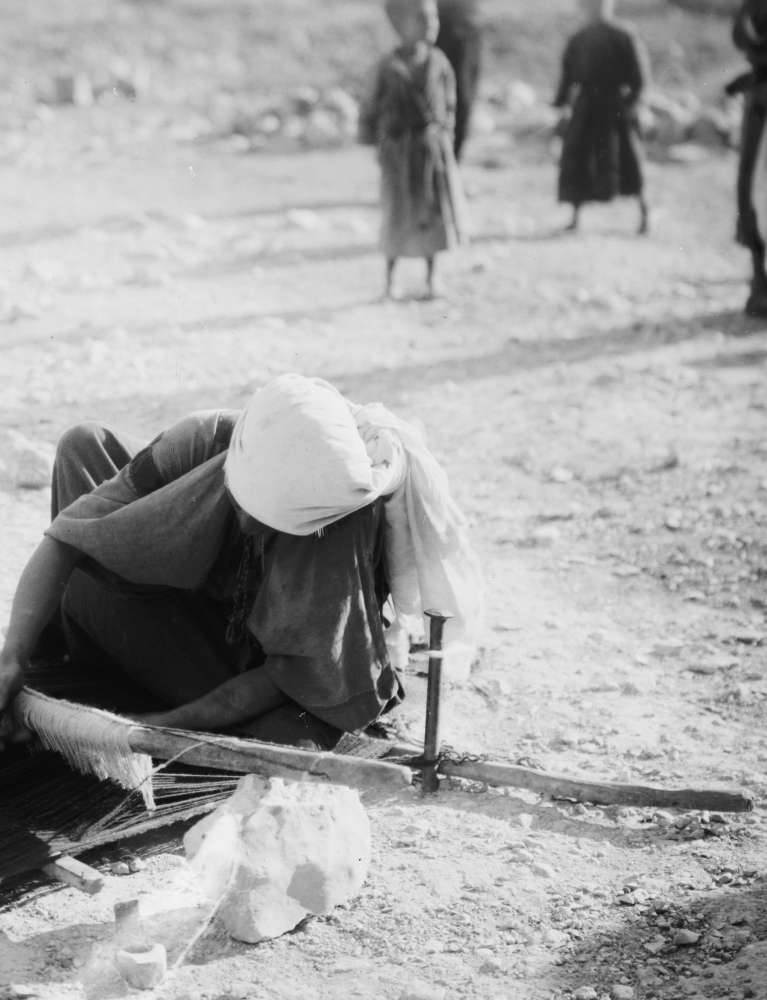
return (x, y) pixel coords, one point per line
(750, 36)
(605, 67)
(460, 38)
(159, 606)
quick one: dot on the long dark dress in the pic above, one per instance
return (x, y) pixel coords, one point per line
(750, 36)
(409, 114)
(605, 66)
(460, 38)
(174, 597)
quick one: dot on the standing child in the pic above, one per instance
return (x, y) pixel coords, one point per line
(409, 114)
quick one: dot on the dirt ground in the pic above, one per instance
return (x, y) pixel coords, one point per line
(599, 402)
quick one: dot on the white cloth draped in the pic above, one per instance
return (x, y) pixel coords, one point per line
(302, 456)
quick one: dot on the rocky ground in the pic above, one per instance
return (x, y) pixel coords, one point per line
(599, 402)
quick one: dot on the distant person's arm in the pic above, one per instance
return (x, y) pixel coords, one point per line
(637, 70)
(370, 109)
(566, 80)
(39, 591)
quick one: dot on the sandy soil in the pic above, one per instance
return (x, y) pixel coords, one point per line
(599, 403)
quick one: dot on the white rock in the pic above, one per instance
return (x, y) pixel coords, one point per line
(24, 463)
(586, 993)
(423, 992)
(542, 869)
(278, 852)
(142, 969)
(621, 992)
(686, 937)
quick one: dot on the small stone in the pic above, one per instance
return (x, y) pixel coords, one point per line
(433, 947)
(423, 992)
(668, 647)
(24, 464)
(521, 856)
(143, 969)
(555, 938)
(674, 520)
(560, 475)
(136, 865)
(546, 535)
(542, 869)
(586, 993)
(120, 868)
(525, 820)
(686, 937)
(621, 992)
(491, 966)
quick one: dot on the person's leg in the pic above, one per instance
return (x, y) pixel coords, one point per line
(644, 216)
(154, 639)
(757, 299)
(433, 286)
(88, 455)
(575, 221)
(389, 289)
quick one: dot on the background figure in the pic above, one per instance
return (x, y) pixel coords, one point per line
(409, 113)
(750, 36)
(460, 38)
(605, 68)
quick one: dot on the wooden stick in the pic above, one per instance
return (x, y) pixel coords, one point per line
(601, 792)
(76, 874)
(251, 757)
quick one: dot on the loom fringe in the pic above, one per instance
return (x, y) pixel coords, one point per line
(92, 741)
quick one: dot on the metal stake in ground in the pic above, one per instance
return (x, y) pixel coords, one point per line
(431, 743)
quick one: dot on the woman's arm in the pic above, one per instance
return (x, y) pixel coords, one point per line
(566, 80)
(242, 698)
(39, 591)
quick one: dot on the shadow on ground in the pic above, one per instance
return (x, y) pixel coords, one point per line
(729, 959)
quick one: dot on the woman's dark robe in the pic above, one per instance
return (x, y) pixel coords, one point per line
(605, 66)
(168, 568)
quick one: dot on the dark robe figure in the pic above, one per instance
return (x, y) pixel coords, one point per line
(171, 596)
(750, 36)
(460, 38)
(604, 71)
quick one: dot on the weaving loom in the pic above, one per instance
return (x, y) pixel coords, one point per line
(82, 785)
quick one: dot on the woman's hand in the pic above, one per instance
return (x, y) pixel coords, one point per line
(11, 682)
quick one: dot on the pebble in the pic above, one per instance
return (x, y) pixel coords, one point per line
(433, 947)
(136, 865)
(525, 820)
(522, 856)
(542, 869)
(491, 966)
(423, 992)
(586, 993)
(686, 937)
(555, 938)
(621, 992)
(120, 868)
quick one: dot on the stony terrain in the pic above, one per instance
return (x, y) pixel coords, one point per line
(599, 402)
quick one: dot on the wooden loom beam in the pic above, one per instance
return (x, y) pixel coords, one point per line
(229, 753)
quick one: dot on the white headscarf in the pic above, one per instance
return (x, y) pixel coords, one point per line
(302, 457)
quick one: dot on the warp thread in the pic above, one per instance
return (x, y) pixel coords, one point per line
(91, 740)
